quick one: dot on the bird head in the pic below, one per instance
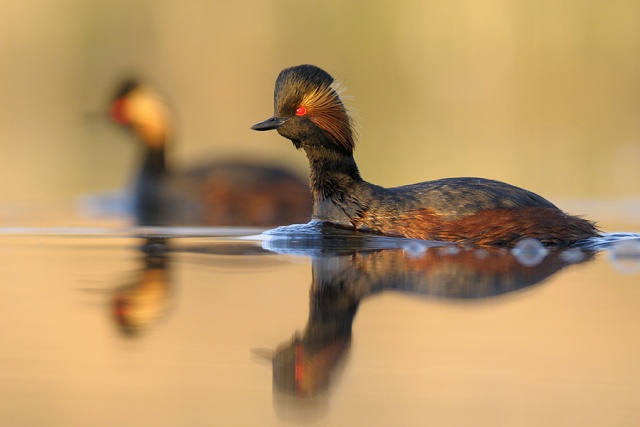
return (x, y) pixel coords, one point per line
(308, 110)
(140, 108)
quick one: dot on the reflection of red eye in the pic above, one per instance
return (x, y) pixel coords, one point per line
(301, 111)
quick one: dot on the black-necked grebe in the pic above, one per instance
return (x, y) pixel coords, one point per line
(224, 193)
(309, 112)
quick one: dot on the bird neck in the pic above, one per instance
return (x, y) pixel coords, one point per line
(332, 172)
(154, 162)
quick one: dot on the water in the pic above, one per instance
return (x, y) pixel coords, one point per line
(165, 327)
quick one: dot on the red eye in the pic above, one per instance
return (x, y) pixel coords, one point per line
(117, 111)
(301, 111)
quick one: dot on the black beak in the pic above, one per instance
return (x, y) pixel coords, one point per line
(269, 124)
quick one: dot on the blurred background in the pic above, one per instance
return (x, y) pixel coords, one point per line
(542, 94)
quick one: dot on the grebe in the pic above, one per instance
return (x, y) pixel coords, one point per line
(309, 112)
(219, 193)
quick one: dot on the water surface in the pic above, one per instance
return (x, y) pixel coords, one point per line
(172, 327)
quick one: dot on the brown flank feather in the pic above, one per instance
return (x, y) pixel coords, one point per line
(498, 227)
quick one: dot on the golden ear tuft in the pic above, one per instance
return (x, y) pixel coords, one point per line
(327, 111)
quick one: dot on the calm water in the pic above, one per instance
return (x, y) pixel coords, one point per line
(104, 327)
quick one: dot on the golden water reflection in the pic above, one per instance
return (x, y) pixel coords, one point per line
(304, 366)
(103, 331)
(143, 302)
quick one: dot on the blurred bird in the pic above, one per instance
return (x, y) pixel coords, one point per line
(219, 193)
(309, 112)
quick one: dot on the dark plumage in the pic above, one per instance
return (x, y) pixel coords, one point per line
(219, 193)
(309, 112)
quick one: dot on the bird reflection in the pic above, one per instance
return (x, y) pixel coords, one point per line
(144, 302)
(137, 305)
(304, 366)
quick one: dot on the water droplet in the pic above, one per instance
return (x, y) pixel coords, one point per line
(451, 250)
(625, 256)
(572, 256)
(414, 249)
(529, 252)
